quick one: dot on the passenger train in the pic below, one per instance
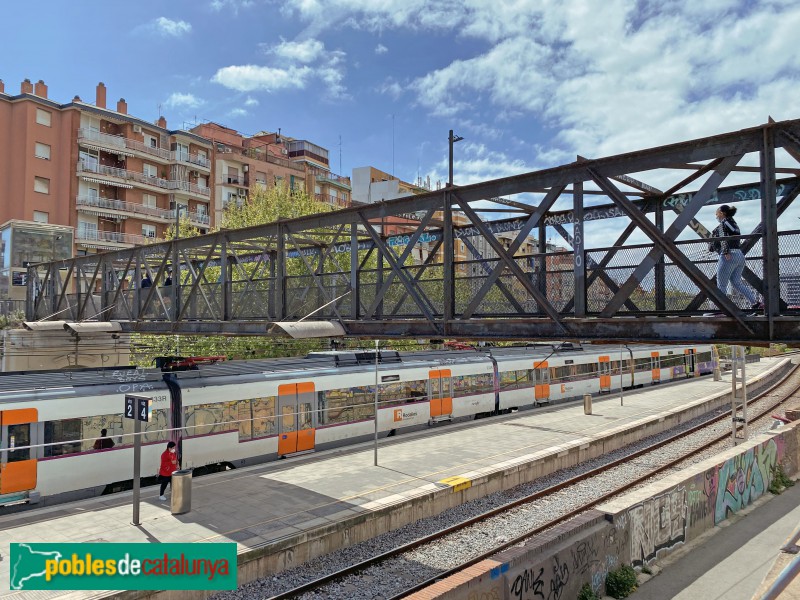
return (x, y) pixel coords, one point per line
(231, 414)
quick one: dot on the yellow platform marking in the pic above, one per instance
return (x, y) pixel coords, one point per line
(458, 483)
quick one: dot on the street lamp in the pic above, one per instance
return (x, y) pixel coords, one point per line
(452, 139)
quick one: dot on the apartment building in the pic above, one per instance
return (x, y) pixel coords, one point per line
(113, 177)
(269, 159)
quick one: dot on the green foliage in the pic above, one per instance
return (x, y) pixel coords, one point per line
(185, 228)
(266, 205)
(621, 582)
(12, 320)
(780, 480)
(647, 570)
(587, 593)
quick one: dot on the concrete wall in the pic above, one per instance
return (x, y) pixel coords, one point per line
(636, 529)
(24, 350)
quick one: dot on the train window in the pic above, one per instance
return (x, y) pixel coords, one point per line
(347, 404)
(204, 419)
(264, 416)
(403, 392)
(72, 436)
(643, 364)
(560, 374)
(514, 380)
(66, 433)
(586, 370)
(468, 385)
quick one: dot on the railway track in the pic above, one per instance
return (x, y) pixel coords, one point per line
(406, 567)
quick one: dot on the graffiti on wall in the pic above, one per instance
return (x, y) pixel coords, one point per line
(745, 477)
(656, 524)
(562, 575)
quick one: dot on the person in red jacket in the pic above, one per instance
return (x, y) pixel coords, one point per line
(169, 464)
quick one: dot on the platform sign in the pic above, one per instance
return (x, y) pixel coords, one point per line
(137, 407)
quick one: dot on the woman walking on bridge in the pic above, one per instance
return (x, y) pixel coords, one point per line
(731, 260)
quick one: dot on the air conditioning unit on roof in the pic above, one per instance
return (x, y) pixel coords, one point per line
(137, 129)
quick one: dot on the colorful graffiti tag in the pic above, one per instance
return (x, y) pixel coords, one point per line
(744, 478)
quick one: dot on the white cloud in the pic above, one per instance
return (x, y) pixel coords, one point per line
(381, 49)
(306, 51)
(169, 28)
(251, 102)
(247, 78)
(294, 65)
(178, 99)
(237, 112)
(628, 76)
(232, 6)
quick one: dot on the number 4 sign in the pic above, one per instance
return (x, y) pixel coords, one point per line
(137, 407)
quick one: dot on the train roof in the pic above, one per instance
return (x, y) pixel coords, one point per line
(36, 380)
(318, 362)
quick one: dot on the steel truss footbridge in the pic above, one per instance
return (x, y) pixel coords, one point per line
(474, 261)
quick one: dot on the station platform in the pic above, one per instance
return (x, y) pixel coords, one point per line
(286, 512)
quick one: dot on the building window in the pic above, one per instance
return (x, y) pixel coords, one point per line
(202, 181)
(40, 217)
(149, 200)
(182, 152)
(152, 142)
(43, 117)
(41, 185)
(202, 209)
(149, 231)
(150, 170)
(42, 151)
(90, 159)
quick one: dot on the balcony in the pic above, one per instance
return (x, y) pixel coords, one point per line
(92, 238)
(332, 178)
(236, 180)
(190, 188)
(195, 218)
(259, 155)
(118, 208)
(121, 174)
(161, 153)
(102, 141)
(196, 160)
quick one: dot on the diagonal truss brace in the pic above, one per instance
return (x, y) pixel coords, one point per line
(507, 256)
(666, 244)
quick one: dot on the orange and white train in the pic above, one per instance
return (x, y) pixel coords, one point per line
(232, 414)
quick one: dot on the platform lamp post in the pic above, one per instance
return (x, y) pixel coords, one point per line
(452, 139)
(376, 403)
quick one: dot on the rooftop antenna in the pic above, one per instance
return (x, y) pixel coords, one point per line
(159, 110)
(340, 154)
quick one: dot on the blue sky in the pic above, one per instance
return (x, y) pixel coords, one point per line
(528, 84)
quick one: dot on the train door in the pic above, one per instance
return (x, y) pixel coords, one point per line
(17, 467)
(605, 374)
(690, 361)
(655, 368)
(441, 394)
(297, 423)
(541, 382)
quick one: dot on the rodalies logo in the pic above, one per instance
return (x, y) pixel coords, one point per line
(123, 567)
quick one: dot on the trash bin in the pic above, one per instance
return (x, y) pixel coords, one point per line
(587, 406)
(181, 492)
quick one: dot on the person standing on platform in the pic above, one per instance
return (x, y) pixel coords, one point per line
(169, 464)
(731, 262)
(146, 282)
